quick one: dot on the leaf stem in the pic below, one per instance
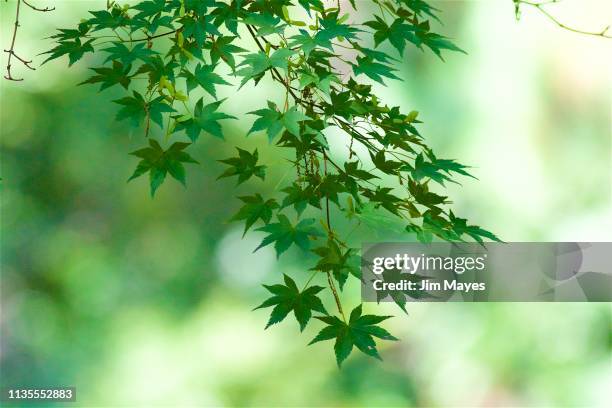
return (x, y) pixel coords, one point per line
(309, 279)
(332, 286)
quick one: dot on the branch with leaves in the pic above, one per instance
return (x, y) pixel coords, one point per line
(161, 51)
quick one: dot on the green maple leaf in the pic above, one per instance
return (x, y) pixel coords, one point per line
(435, 224)
(151, 25)
(373, 69)
(420, 7)
(283, 234)
(423, 196)
(448, 166)
(70, 34)
(423, 169)
(158, 162)
(186, 52)
(222, 48)
(136, 109)
(205, 77)
(358, 332)
(273, 121)
(288, 298)
(73, 48)
(308, 5)
(299, 197)
(150, 8)
(266, 23)
(112, 19)
(255, 208)
(244, 166)
(205, 118)
(280, 58)
(340, 263)
(198, 27)
(460, 227)
(227, 14)
(375, 55)
(256, 64)
(291, 120)
(321, 80)
(120, 52)
(421, 35)
(352, 169)
(269, 120)
(199, 7)
(330, 187)
(386, 166)
(117, 75)
(382, 196)
(370, 215)
(332, 28)
(307, 43)
(437, 43)
(156, 68)
(436, 169)
(396, 33)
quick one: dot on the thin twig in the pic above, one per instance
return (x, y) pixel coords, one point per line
(151, 37)
(37, 8)
(332, 285)
(540, 6)
(309, 279)
(11, 51)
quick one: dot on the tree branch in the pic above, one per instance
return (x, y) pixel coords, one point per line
(37, 8)
(540, 6)
(11, 51)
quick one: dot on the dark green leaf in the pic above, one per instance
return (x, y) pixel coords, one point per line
(255, 208)
(358, 332)
(244, 166)
(289, 298)
(283, 234)
(205, 118)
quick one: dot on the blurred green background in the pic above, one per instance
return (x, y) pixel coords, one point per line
(141, 302)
